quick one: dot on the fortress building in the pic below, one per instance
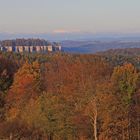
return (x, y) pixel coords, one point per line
(29, 45)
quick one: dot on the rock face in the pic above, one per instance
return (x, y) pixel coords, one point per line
(29, 45)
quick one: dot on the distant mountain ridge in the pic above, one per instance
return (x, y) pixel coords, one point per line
(80, 36)
(83, 42)
(97, 46)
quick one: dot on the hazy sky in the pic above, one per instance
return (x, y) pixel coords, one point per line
(43, 16)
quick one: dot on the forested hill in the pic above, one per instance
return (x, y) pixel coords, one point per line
(121, 56)
(69, 96)
(123, 52)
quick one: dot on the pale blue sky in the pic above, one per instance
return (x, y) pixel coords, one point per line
(43, 16)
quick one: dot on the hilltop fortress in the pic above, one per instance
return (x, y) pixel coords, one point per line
(29, 45)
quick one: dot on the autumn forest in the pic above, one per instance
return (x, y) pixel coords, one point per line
(70, 96)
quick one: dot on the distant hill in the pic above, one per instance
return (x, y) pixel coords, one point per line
(97, 46)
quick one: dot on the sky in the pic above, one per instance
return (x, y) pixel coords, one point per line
(64, 16)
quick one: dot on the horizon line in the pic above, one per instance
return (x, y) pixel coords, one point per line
(68, 32)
